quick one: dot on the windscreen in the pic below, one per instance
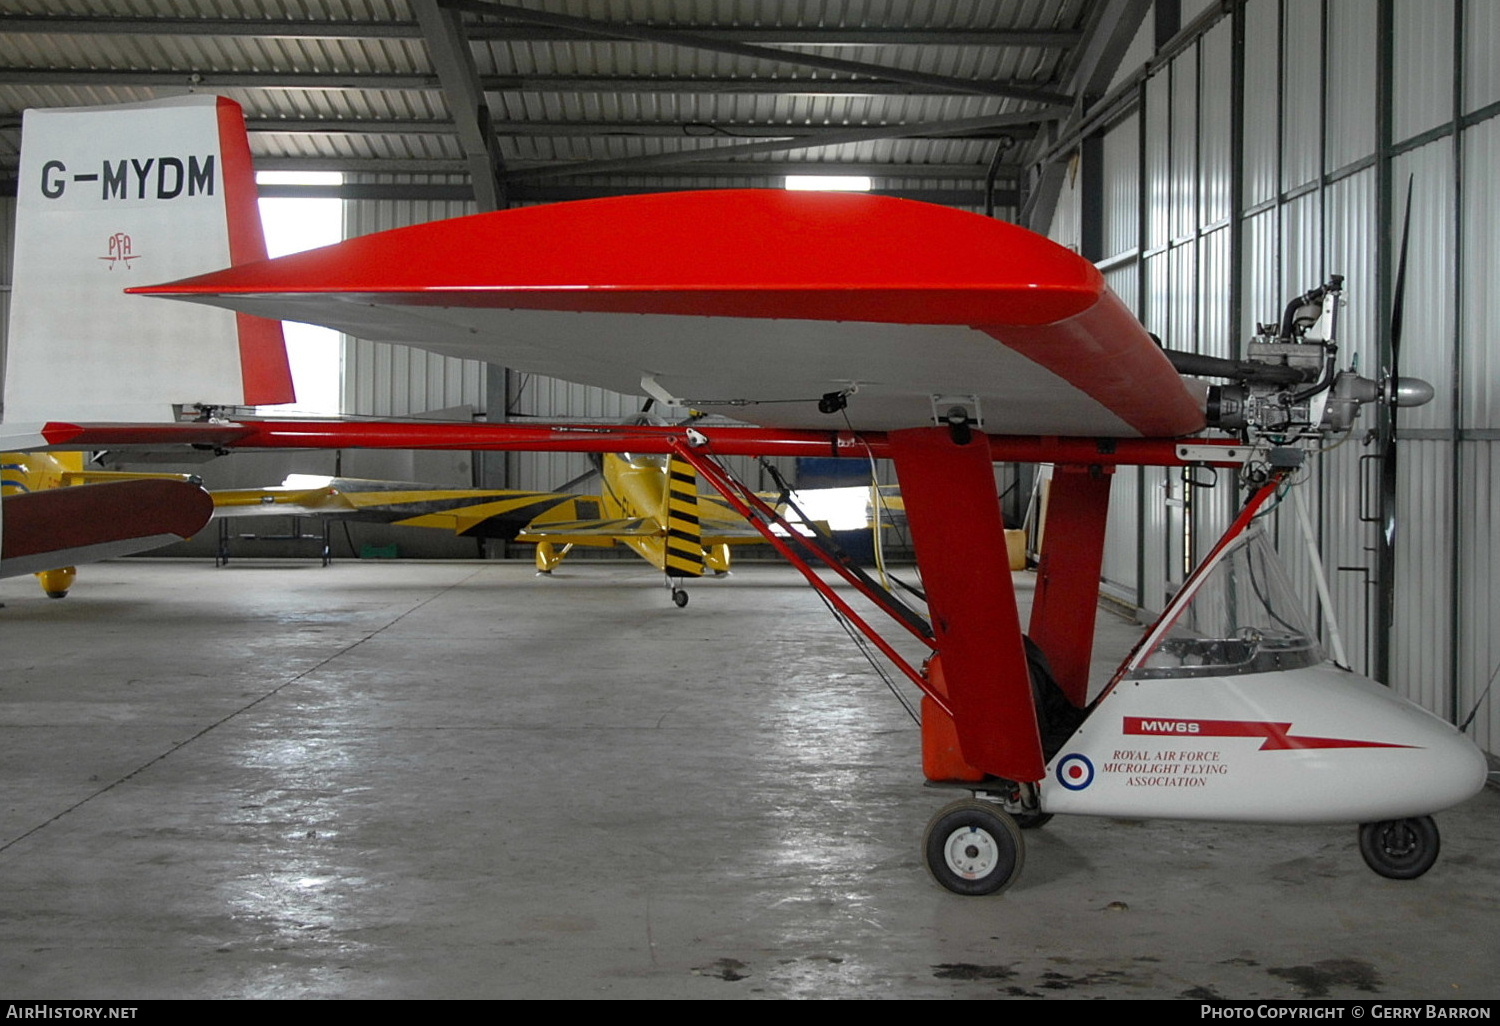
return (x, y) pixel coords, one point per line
(1244, 618)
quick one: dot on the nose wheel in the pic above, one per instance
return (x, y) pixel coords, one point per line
(973, 848)
(1401, 849)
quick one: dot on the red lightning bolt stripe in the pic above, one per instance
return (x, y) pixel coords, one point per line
(1277, 735)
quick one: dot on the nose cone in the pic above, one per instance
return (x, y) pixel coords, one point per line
(1412, 392)
(1458, 772)
(1425, 764)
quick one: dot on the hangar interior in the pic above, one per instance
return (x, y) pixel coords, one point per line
(1212, 158)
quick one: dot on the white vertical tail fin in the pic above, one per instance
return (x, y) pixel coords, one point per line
(111, 197)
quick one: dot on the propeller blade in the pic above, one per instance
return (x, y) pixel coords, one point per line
(1388, 408)
(1388, 470)
(1398, 298)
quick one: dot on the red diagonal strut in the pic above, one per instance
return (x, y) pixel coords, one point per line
(1067, 586)
(745, 503)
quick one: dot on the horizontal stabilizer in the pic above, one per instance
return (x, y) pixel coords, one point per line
(60, 527)
(566, 530)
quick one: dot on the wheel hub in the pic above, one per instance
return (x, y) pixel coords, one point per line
(971, 853)
(1398, 841)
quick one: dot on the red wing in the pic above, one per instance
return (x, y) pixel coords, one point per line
(751, 302)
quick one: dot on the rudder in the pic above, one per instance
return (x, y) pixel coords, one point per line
(110, 197)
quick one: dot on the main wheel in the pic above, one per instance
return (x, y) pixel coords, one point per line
(1032, 820)
(680, 597)
(973, 848)
(1402, 849)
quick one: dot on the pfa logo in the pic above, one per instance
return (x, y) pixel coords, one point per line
(119, 251)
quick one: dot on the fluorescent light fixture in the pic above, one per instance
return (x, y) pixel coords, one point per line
(828, 183)
(299, 178)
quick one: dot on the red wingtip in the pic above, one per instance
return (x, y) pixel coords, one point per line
(59, 433)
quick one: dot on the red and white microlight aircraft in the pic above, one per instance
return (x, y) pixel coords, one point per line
(858, 326)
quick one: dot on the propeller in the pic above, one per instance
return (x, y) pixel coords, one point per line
(1395, 392)
(1389, 387)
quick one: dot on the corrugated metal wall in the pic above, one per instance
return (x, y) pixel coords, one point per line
(1350, 83)
(1481, 81)
(1423, 65)
(383, 380)
(1220, 253)
(1349, 212)
(1478, 641)
(1477, 366)
(1120, 236)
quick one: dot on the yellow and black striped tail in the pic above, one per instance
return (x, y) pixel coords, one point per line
(684, 531)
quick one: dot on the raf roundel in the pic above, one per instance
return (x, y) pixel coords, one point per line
(1075, 772)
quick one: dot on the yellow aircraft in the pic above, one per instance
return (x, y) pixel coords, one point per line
(650, 504)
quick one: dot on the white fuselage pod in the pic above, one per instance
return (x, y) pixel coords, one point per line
(1314, 744)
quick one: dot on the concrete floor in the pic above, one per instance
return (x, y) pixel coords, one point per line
(457, 780)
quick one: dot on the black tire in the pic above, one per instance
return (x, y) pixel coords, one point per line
(1032, 820)
(973, 848)
(680, 597)
(1401, 849)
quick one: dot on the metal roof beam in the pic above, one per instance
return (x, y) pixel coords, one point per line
(1108, 37)
(590, 129)
(302, 28)
(453, 60)
(192, 78)
(561, 193)
(872, 169)
(697, 169)
(351, 126)
(673, 37)
(264, 28)
(356, 81)
(1041, 202)
(634, 165)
